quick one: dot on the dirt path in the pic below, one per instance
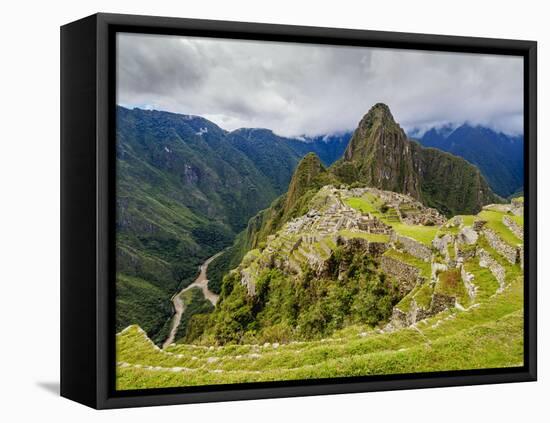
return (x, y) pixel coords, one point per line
(179, 307)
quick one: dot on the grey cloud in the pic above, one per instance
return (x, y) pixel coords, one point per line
(298, 89)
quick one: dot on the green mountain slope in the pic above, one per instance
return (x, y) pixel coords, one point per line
(380, 155)
(183, 193)
(498, 156)
(343, 301)
(185, 188)
(353, 245)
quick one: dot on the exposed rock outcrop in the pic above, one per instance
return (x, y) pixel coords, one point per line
(467, 236)
(467, 279)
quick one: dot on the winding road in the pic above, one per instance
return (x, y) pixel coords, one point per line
(179, 307)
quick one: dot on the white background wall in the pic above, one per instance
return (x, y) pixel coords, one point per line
(29, 211)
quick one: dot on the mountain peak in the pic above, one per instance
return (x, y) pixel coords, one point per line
(306, 176)
(376, 126)
(380, 112)
(380, 155)
(377, 132)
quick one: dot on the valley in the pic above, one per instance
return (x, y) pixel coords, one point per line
(394, 258)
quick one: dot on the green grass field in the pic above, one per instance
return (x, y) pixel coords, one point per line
(423, 234)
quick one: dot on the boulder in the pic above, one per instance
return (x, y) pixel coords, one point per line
(467, 235)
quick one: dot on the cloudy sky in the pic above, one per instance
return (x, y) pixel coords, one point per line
(300, 89)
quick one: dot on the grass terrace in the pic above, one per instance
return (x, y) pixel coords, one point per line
(422, 234)
(488, 336)
(425, 267)
(494, 222)
(450, 283)
(517, 219)
(347, 233)
(468, 220)
(371, 204)
(363, 205)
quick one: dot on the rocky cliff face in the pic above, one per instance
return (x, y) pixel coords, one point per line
(381, 153)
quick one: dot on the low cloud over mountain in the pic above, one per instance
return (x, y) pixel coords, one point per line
(310, 90)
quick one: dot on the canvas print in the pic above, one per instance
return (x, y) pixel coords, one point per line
(292, 211)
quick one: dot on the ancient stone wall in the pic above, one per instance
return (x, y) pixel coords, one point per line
(424, 216)
(467, 280)
(464, 252)
(401, 319)
(516, 229)
(478, 225)
(507, 251)
(414, 248)
(441, 243)
(441, 302)
(485, 260)
(406, 275)
(363, 245)
(373, 226)
(467, 236)
(377, 248)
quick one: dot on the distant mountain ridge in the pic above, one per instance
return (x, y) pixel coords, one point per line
(328, 147)
(498, 156)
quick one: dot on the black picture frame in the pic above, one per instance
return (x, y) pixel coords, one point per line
(88, 209)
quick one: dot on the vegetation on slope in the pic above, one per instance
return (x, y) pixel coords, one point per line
(488, 336)
(353, 295)
(498, 156)
(285, 308)
(140, 301)
(195, 305)
(185, 188)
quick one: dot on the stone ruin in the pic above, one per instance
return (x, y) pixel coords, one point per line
(409, 210)
(412, 247)
(407, 276)
(514, 227)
